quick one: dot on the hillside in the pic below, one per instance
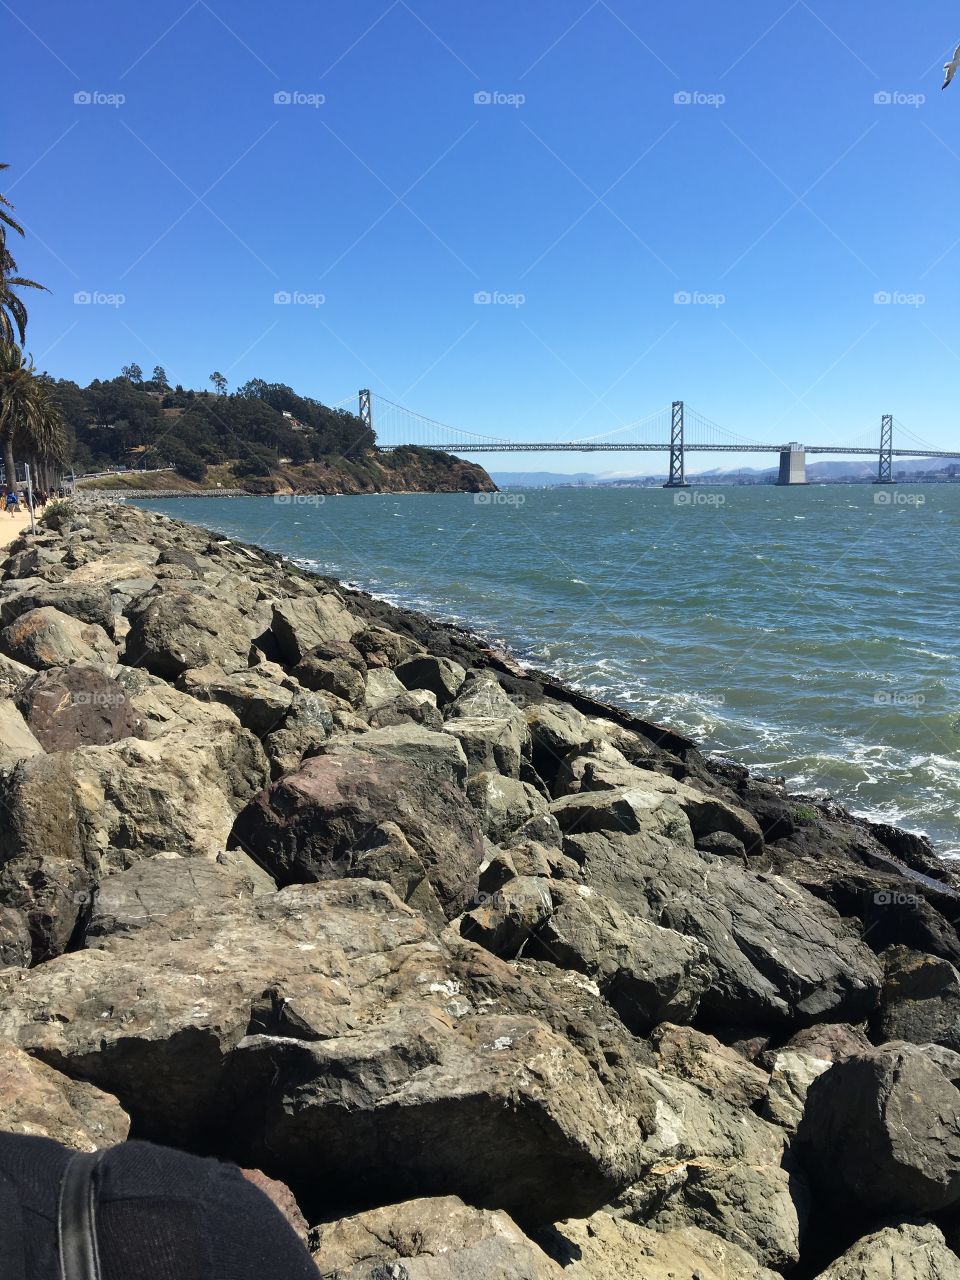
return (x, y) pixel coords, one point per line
(262, 438)
(409, 470)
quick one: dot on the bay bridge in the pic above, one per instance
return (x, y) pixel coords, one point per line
(675, 431)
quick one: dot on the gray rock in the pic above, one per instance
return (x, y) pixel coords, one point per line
(258, 699)
(16, 948)
(327, 1036)
(335, 667)
(646, 973)
(504, 804)
(490, 744)
(504, 920)
(414, 706)
(604, 1247)
(882, 1130)
(430, 1239)
(908, 1251)
(161, 886)
(175, 628)
(48, 638)
(712, 1066)
(302, 624)
(87, 603)
(920, 1000)
(17, 741)
(779, 956)
(442, 676)
(791, 1076)
(316, 823)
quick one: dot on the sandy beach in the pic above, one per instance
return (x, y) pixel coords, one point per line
(10, 526)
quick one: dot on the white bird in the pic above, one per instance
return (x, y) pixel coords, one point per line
(951, 68)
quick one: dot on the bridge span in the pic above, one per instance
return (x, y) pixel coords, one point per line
(667, 431)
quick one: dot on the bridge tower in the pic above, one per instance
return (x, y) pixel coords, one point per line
(885, 473)
(677, 478)
(366, 410)
(793, 465)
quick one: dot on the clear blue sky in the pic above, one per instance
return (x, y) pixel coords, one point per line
(597, 198)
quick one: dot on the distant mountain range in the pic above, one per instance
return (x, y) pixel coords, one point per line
(863, 468)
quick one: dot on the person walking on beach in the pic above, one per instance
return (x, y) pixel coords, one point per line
(13, 501)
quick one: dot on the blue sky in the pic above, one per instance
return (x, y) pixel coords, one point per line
(584, 196)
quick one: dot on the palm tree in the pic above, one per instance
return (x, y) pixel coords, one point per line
(30, 420)
(13, 312)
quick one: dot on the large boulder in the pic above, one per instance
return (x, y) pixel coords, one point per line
(715, 1068)
(87, 602)
(75, 816)
(324, 1035)
(442, 676)
(260, 697)
(327, 818)
(721, 1168)
(647, 973)
(148, 891)
(48, 638)
(604, 1247)
(78, 706)
(42, 1103)
(174, 628)
(779, 956)
(301, 624)
(907, 1251)
(920, 1000)
(881, 1131)
(430, 1239)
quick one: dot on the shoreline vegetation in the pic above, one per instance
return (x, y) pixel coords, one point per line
(493, 977)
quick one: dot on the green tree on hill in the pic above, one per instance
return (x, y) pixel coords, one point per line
(219, 382)
(133, 373)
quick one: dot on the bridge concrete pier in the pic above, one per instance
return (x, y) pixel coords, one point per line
(793, 466)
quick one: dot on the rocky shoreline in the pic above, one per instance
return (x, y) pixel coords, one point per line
(499, 981)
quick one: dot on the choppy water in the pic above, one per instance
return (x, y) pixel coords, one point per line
(809, 632)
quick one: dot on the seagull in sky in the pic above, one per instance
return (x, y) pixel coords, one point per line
(952, 67)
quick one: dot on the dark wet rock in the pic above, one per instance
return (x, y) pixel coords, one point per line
(882, 1130)
(78, 706)
(920, 1000)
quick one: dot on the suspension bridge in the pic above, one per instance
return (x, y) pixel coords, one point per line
(675, 431)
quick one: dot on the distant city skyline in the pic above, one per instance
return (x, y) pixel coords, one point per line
(516, 221)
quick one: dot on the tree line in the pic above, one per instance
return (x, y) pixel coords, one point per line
(135, 421)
